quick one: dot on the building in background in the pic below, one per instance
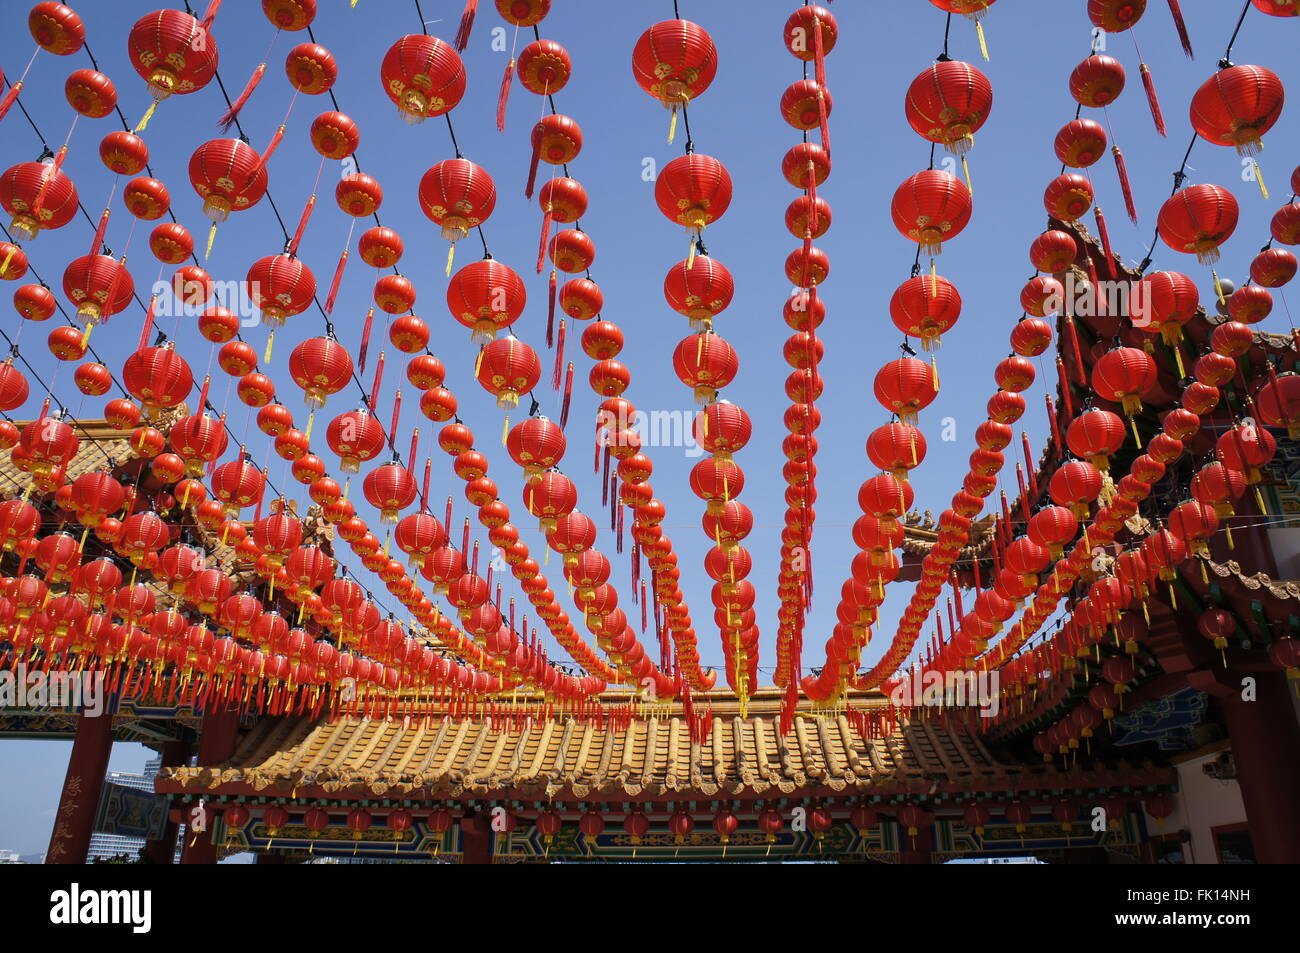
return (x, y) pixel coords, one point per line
(107, 846)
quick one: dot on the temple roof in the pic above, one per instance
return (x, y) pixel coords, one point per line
(646, 757)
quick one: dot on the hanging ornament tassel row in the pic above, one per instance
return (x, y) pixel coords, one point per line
(547, 218)
(559, 357)
(568, 395)
(550, 310)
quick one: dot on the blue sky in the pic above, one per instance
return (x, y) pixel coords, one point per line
(1033, 45)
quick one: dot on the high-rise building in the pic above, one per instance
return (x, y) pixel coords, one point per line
(107, 846)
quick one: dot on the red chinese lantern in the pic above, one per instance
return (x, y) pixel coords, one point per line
(173, 53)
(925, 307)
(229, 176)
(1053, 252)
(321, 366)
(38, 196)
(123, 153)
(674, 61)
(693, 190)
(390, 489)
(157, 377)
(1237, 106)
(1068, 197)
(359, 195)
(486, 297)
(171, 243)
(334, 135)
(507, 368)
(536, 444)
(1095, 435)
(905, 387)
(280, 286)
(948, 103)
(311, 68)
(705, 362)
(1097, 81)
(930, 208)
(1080, 143)
(1123, 375)
(456, 195)
(90, 93)
(99, 286)
(146, 198)
(699, 288)
(1198, 219)
(424, 76)
(1075, 485)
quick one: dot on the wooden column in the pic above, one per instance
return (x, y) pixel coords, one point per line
(162, 850)
(1266, 748)
(476, 839)
(75, 821)
(217, 741)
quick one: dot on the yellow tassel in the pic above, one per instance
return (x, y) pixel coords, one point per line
(13, 249)
(478, 362)
(934, 280)
(1178, 356)
(690, 255)
(311, 420)
(451, 254)
(212, 237)
(1218, 287)
(1259, 501)
(1259, 177)
(1173, 598)
(148, 114)
(672, 127)
(85, 337)
(1136, 439)
(505, 429)
(965, 167)
(1228, 532)
(934, 374)
(984, 46)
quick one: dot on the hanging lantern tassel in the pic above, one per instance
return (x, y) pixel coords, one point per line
(270, 343)
(505, 429)
(212, 237)
(466, 25)
(504, 94)
(147, 328)
(1176, 11)
(1259, 177)
(1105, 240)
(550, 310)
(302, 225)
(94, 246)
(568, 394)
(547, 218)
(270, 150)
(334, 284)
(10, 98)
(984, 46)
(821, 120)
(144, 120)
(451, 256)
(672, 124)
(1125, 186)
(1153, 101)
(230, 116)
(13, 249)
(365, 339)
(559, 357)
(532, 162)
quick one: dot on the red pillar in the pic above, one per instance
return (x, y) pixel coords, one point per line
(1266, 748)
(476, 839)
(217, 740)
(75, 821)
(163, 849)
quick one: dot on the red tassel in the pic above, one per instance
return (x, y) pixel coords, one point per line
(568, 395)
(604, 478)
(599, 442)
(230, 115)
(270, 151)
(550, 311)
(1153, 101)
(99, 233)
(10, 98)
(1176, 12)
(210, 14)
(819, 53)
(466, 24)
(541, 249)
(379, 380)
(147, 328)
(302, 225)
(618, 546)
(447, 520)
(1124, 185)
(1067, 402)
(505, 95)
(532, 163)
(365, 339)
(1052, 422)
(821, 121)
(338, 279)
(559, 358)
(1105, 240)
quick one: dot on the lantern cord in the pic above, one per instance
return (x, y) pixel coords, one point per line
(1227, 54)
